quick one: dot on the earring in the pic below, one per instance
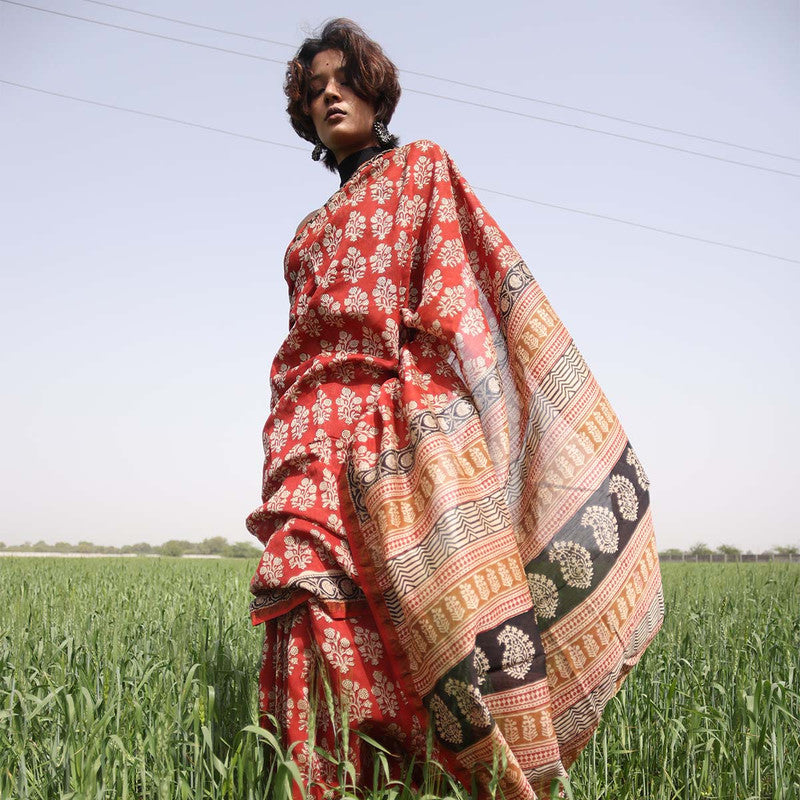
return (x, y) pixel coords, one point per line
(381, 133)
(319, 149)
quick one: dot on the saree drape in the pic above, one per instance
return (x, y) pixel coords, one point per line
(439, 456)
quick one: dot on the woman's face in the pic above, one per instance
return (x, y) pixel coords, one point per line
(342, 119)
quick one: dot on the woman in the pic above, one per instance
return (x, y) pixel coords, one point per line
(457, 533)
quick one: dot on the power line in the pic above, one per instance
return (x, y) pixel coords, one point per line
(190, 24)
(420, 92)
(604, 133)
(428, 75)
(639, 225)
(144, 33)
(627, 121)
(154, 116)
(479, 188)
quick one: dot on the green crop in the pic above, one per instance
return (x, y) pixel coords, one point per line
(136, 678)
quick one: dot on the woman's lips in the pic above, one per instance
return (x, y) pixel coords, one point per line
(336, 115)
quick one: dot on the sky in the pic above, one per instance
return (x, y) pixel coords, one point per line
(141, 259)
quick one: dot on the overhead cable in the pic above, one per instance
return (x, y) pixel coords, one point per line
(465, 84)
(548, 120)
(479, 188)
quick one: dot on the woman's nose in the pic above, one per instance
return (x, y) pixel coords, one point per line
(332, 90)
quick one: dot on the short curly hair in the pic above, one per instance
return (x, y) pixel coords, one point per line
(369, 71)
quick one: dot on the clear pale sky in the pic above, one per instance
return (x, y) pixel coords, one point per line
(141, 260)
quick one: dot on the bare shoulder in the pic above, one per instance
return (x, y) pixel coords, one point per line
(306, 218)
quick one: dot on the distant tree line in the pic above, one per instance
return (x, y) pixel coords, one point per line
(727, 552)
(219, 546)
(213, 546)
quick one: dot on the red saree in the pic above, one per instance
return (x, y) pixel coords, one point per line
(455, 525)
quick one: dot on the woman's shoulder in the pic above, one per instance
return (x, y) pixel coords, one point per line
(425, 147)
(305, 220)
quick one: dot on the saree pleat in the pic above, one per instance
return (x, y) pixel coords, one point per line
(439, 454)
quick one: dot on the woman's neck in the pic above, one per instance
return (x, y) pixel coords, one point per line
(348, 165)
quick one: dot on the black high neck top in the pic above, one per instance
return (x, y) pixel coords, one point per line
(350, 164)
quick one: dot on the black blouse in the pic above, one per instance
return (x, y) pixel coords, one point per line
(350, 164)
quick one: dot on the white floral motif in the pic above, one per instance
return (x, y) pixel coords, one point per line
(278, 435)
(330, 273)
(321, 446)
(423, 171)
(330, 497)
(358, 697)
(343, 445)
(358, 191)
(321, 410)
(508, 256)
(451, 253)
(356, 225)
(575, 562)
(381, 189)
(384, 693)
(357, 303)
(446, 723)
(271, 570)
(338, 650)
(381, 259)
(432, 286)
(355, 265)
(278, 500)
(385, 295)
(381, 223)
(332, 239)
(298, 552)
(329, 309)
(446, 211)
(365, 457)
(345, 343)
(480, 663)
(405, 212)
(492, 238)
(545, 595)
(371, 343)
(641, 475)
(349, 405)
(453, 301)
(620, 486)
(518, 651)
(604, 527)
(305, 495)
(472, 322)
(402, 246)
(433, 240)
(470, 702)
(344, 556)
(369, 644)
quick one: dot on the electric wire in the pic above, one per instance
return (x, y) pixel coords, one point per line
(154, 116)
(144, 33)
(606, 133)
(465, 84)
(576, 126)
(190, 24)
(479, 188)
(637, 225)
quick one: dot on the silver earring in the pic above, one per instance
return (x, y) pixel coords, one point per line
(319, 149)
(381, 133)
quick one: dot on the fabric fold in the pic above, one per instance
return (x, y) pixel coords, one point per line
(439, 450)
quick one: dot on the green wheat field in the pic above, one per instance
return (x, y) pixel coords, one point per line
(136, 678)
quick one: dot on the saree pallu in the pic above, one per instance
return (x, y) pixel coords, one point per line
(439, 456)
